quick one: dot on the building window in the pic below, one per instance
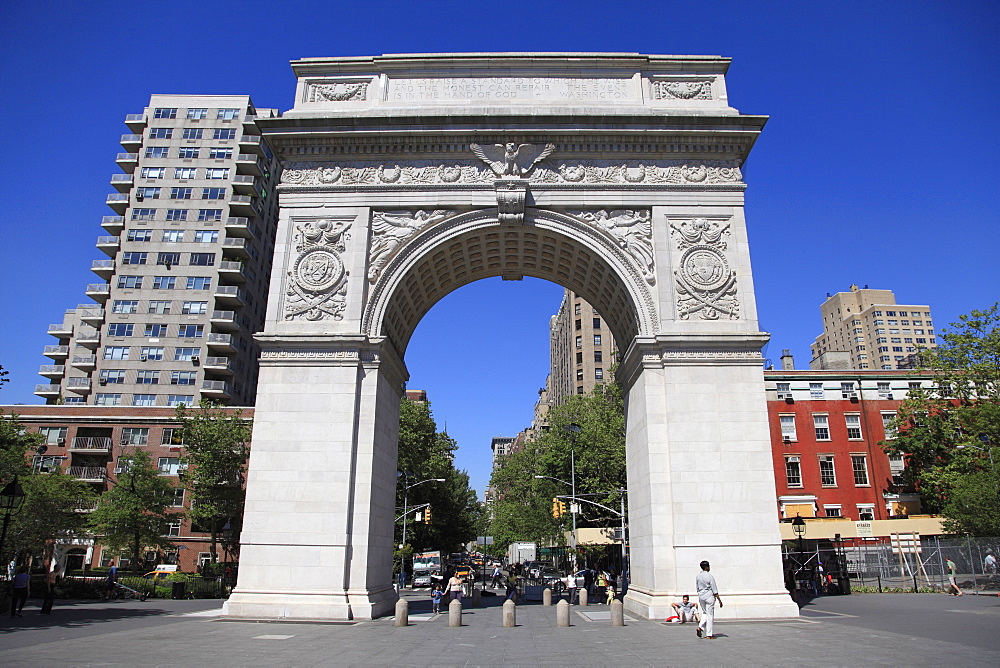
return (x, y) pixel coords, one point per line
(177, 214)
(173, 529)
(577, 324)
(207, 236)
(154, 353)
(203, 259)
(165, 112)
(116, 352)
(183, 377)
(228, 114)
(213, 193)
(194, 308)
(143, 399)
(199, 283)
(896, 466)
(135, 436)
(816, 390)
(190, 331)
(579, 374)
(173, 236)
(147, 377)
(597, 323)
(155, 329)
(161, 133)
(153, 172)
(784, 390)
(185, 354)
(224, 133)
(42, 464)
(579, 389)
(822, 425)
(180, 193)
(853, 423)
(832, 510)
(220, 153)
(866, 512)
(847, 390)
(598, 356)
(859, 464)
(157, 151)
(185, 173)
(125, 306)
(133, 257)
(147, 193)
(787, 427)
(168, 465)
(169, 259)
(158, 306)
(579, 342)
(164, 282)
(191, 133)
(793, 471)
(217, 173)
(120, 329)
(598, 374)
(108, 400)
(178, 498)
(597, 339)
(54, 435)
(827, 475)
(579, 358)
(209, 214)
(887, 426)
(172, 436)
(884, 390)
(180, 399)
(197, 114)
(188, 153)
(576, 309)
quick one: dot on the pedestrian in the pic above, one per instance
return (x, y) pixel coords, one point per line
(19, 592)
(436, 597)
(496, 577)
(111, 582)
(708, 595)
(50, 591)
(611, 593)
(456, 585)
(951, 578)
(990, 563)
(571, 588)
(511, 591)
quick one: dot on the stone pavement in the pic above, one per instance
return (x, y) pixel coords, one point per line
(878, 629)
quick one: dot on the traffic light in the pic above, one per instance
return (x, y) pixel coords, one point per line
(562, 507)
(427, 514)
(556, 509)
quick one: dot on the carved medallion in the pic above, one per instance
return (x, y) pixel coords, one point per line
(317, 283)
(706, 285)
(704, 267)
(318, 270)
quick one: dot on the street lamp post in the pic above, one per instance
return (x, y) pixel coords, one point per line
(799, 527)
(11, 499)
(573, 429)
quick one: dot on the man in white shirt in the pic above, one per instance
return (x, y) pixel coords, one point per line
(708, 594)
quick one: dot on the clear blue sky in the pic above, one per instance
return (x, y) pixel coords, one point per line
(875, 168)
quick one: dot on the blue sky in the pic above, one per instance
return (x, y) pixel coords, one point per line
(874, 168)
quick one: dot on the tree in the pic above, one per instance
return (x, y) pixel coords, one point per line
(15, 442)
(972, 505)
(520, 507)
(51, 511)
(133, 514)
(951, 430)
(216, 448)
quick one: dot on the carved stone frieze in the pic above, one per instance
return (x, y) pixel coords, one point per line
(342, 91)
(317, 282)
(427, 172)
(682, 89)
(632, 230)
(706, 285)
(391, 230)
(512, 161)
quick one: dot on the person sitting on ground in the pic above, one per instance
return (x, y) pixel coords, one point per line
(685, 611)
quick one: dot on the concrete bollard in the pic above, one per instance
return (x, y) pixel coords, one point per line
(583, 596)
(509, 614)
(617, 613)
(477, 598)
(547, 596)
(562, 614)
(455, 613)
(402, 613)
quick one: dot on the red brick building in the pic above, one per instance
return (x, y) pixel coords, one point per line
(825, 433)
(86, 441)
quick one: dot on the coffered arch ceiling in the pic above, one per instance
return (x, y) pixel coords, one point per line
(474, 246)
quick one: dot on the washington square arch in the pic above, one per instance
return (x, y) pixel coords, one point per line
(406, 177)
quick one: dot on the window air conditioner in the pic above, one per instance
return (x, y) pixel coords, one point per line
(888, 396)
(119, 469)
(102, 381)
(62, 441)
(196, 360)
(143, 358)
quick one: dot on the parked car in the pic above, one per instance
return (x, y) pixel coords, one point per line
(550, 577)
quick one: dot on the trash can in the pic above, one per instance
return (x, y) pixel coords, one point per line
(177, 590)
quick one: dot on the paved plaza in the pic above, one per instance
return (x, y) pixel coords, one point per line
(886, 629)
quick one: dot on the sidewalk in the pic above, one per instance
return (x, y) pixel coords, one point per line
(889, 629)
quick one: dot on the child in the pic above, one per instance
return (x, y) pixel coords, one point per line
(436, 596)
(611, 592)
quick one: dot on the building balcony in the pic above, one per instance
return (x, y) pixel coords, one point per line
(103, 268)
(244, 205)
(118, 202)
(136, 122)
(84, 362)
(91, 444)
(221, 342)
(121, 182)
(245, 184)
(47, 390)
(88, 473)
(88, 337)
(232, 272)
(219, 365)
(56, 352)
(226, 321)
(99, 292)
(238, 226)
(109, 245)
(61, 331)
(236, 248)
(78, 385)
(131, 143)
(216, 389)
(113, 224)
(52, 370)
(229, 295)
(248, 163)
(91, 316)
(128, 162)
(249, 123)
(251, 144)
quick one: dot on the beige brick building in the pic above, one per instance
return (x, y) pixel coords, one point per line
(189, 250)
(581, 349)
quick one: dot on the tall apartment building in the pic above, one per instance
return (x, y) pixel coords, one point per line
(867, 329)
(189, 261)
(581, 349)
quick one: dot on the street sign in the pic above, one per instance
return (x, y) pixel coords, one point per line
(484, 540)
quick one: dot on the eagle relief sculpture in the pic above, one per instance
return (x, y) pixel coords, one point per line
(510, 161)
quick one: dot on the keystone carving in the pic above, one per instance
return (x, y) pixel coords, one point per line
(511, 197)
(391, 230)
(632, 230)
(706, 285)
(317, 283)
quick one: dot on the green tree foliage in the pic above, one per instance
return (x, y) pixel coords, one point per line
(973, 505)
(523, 506)
(949, 431)
(132, 515)
(216, 448)
(425, 453)
(50, 511)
